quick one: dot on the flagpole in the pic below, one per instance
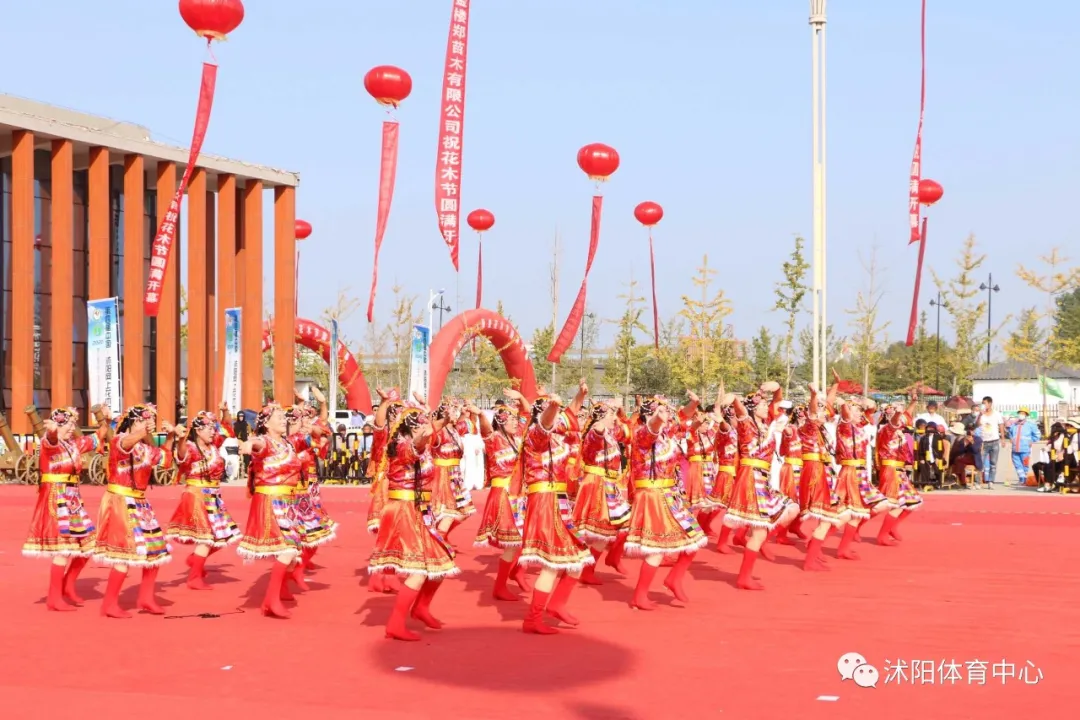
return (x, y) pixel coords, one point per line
(818, 290)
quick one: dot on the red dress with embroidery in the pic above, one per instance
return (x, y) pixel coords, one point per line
(449, 496)
(128, 530)
(315, 531)
(701, 466)
(894, 457)
(660, 522)
(791, 469)
(753, 501)
(61, 524)
(408, 542)
(320, 451)
(856, 495)
(273, 524)
(378, 481)
(504, 511)
(201, 518)
(727, 460)
(574, 469)
(548, 536)
(816, 497)
(601, 510)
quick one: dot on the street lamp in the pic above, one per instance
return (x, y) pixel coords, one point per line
(938, 303)
(436, 301)
(990, 289)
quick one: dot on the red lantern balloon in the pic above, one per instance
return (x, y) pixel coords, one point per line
(481, 220)
(930, 191)
(598, 161)
(303, 229)
(212, 19)
(389, 85)
(649, 213)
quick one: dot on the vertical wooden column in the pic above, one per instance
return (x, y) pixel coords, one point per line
(99, 220)
(22, 278)
(168, 319)
(134, 282)
(196, 294)
(213, 390)
(226, 268)
(284, 291)
(63, 271)
(249, 262)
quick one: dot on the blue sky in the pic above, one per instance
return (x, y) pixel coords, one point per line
(708, 104)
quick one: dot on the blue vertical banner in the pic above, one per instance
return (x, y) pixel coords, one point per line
(418, 361)
(231, 389)
(103, 354)
(334, 341)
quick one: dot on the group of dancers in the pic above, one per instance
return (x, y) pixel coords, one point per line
(569, 484)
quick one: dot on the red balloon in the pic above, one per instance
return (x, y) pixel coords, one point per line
(930, 191)
(481, 220)
(649, 213)
(212, 19)
(303, 229)
(599, 161)
(389, 85)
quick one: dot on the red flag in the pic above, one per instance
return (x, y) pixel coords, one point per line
(916, 159)
(387, 175)
(166, 233)
(451, 127)
(655, 310)
(573, 320)
(479, 269)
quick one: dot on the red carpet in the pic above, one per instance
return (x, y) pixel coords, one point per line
(978, 578)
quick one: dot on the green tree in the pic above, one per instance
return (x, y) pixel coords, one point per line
(804, 371)
(868, 332)
(704, 317)
(543, 339)
(766, 358)
(1067, 326)
(967, 310)
(790, 294)
(403, 316)
(618, 370)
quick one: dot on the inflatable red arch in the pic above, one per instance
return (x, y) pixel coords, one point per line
(316, 338)
(468, 325)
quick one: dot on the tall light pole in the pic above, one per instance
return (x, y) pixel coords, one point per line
(818, 292)
(938, 303)
(440, 305)
(990, 289)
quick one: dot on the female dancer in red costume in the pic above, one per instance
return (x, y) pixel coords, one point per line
(389, 406)
(601, 510)
(754, 504)
(408, 542)
(274, 529)
(504, 513)
(451, 501)
(857, 496)
(61, 528)
(727, 460)
(661, 524)
(701, 456)
(201, 518)
(548, 537)
(309, 440)
(816, 497)
(791, 453)
(893, 480)
(128, 531)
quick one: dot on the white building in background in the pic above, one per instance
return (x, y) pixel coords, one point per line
(1013, 385)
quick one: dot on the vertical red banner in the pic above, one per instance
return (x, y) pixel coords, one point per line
(916, 159)
(166, 232)
(655, 309)
(479, 270)
(387, 177)
(577, 312)
(913, 321)
(451, 130)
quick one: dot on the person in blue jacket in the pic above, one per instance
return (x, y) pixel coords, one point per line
(1022, 434)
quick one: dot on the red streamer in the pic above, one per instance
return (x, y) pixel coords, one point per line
(913, 321)
(451, 127)
(387, 175)
(166, 232)
(655, 310)
(479, 270)
(577, 312)
(916, 159)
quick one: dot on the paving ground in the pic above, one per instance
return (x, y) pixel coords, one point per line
(980, 580)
